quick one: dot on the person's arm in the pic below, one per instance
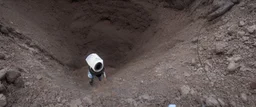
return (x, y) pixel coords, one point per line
(104, 74)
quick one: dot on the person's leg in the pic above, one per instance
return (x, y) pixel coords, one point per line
(91, 78)
(99, 77)
(91, 81)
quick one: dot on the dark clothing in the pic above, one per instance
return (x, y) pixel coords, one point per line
(97, 74)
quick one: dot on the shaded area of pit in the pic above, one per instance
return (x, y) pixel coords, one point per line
(69, 31)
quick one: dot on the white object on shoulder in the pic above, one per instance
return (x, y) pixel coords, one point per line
(93, 60)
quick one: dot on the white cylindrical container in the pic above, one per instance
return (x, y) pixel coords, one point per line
(95, 62)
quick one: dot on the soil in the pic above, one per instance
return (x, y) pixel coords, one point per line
(155, 53)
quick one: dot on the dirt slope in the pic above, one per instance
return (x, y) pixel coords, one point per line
(154, 55)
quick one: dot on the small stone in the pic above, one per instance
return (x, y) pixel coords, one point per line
(220, 47)
(39, 77)
(12, 75)
(232, 104)
(251, 29)
(2, 87)
(4, 30)
(241, 23)
(88, 100)
(22, 70)
(141, 81)
(186, 74)
(29, 84)
(211, 101)
(3, 101)
(231, 33)
(244, 68)
(63, 101)
(232, 66)
(193, 62)
(184, 90)
(3, 73)
(193, 92)
(234, 58)
(194, 40)
(75, 103)
(222, 103)
(243, 96)
(132, 102)
(253, 85)
(241, 33)
(245, 38)
(59, 99)
(145, 97)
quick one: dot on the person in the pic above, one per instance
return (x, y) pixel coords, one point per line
(96, 67)
(92, 74)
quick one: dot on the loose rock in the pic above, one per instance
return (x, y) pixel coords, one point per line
(241, 33)
(4, 30)
(88, 100)
(3, 73)
(75, 103)
(193, 62)
(251, 29)
(222, 103)
(241, 23)
(12, 75)
(194, 40)
(220, 11)
(145, 97)
(211, 101)
(232, 66)
(220, 47)
(234, 58)
(243, 96)
(39, 77)
(231, 32)
(245, 38)
(184, 90)
(232, 104)
(3, 101)
(132, 102)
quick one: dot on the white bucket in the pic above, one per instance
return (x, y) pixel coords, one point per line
(95, 62)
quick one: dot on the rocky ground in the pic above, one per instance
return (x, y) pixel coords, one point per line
(201, 56)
